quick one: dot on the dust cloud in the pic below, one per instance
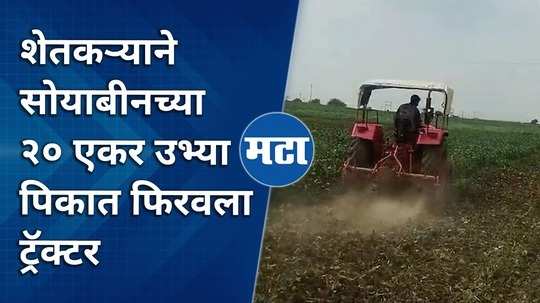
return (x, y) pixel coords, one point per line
(353, 211)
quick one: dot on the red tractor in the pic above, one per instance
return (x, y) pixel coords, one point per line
(422, 161)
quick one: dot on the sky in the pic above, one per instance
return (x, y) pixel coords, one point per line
(488, 51)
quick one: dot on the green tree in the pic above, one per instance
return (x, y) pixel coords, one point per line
(315, 101)
(336, 102)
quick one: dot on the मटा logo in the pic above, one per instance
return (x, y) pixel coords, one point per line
(285, 150)
(276, 149)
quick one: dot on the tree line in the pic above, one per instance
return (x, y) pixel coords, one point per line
(331, 102)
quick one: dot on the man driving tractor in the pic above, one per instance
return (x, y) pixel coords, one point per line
(418, 153)
(407, 121)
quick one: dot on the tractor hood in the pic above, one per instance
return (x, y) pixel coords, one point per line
(367, 87)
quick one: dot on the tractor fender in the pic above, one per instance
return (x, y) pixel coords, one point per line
(367, 131)
(431, 136)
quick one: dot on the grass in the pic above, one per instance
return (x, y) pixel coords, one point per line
(484, 246)
(472, 144)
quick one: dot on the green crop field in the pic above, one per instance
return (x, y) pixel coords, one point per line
(472, 144)
(484, 246)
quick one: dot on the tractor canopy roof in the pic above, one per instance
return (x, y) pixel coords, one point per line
(368, 86)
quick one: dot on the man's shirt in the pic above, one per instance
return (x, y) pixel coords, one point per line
(408, 117)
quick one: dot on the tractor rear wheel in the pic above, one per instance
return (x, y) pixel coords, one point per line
(360, 153)
(434, 159)
(435, 163)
